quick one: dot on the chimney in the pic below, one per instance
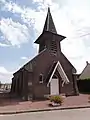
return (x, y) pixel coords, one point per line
(87, 63)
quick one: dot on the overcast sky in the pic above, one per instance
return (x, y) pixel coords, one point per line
(22, 21)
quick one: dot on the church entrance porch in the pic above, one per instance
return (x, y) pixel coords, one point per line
(57, 80)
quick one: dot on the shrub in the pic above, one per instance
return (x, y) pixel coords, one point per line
(56, 99)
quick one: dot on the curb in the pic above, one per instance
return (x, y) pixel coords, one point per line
(42, 110)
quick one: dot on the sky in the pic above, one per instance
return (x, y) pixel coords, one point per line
(22, 21)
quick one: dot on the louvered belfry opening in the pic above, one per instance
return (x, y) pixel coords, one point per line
(53, 46)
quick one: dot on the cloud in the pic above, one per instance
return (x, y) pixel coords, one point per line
(24, 58)
(11, 6)
(28, 15)
(2, 1)
(43, 4)
(4, 45)
(5, 75)
(71, 19)
(14, 32)
(3, 70)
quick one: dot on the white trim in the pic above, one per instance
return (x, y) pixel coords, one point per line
(61, 72)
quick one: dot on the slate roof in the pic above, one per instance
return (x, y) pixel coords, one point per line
(45, 33)
(49, 24)
(86, 72)
(52, 67)
(24, 66)
(49, 28)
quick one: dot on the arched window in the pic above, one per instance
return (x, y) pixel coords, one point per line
(41, 78)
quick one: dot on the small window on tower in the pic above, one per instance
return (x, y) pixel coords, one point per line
(41, 78)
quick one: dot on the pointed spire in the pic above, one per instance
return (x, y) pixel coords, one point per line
(49, 24)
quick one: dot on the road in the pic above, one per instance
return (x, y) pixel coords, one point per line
(80, 114)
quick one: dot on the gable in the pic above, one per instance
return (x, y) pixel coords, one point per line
(57, 66)
(85, 73)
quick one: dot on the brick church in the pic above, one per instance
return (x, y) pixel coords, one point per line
(48, 73)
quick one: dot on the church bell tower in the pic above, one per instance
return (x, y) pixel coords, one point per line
(49, 39)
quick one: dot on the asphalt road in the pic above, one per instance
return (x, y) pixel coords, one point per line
(80, 114)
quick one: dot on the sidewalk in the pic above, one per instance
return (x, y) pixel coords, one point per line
(73, 102)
